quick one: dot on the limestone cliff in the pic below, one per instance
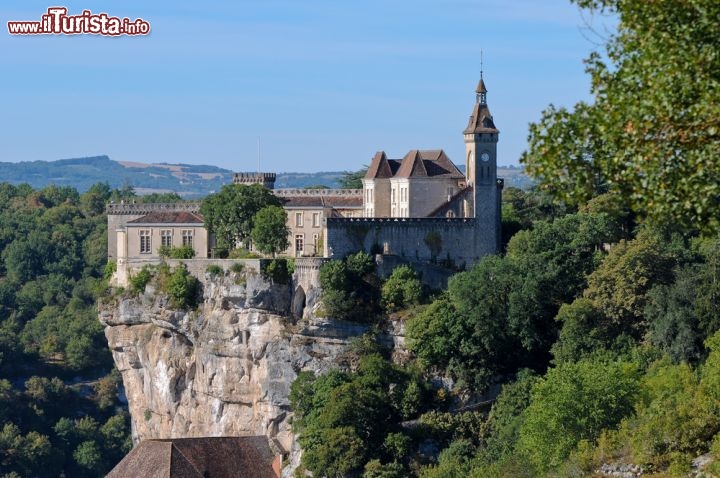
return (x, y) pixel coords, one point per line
(225, 368)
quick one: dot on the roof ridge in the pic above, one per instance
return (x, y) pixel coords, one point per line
(173, 446)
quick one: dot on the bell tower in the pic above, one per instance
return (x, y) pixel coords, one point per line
(481, 138)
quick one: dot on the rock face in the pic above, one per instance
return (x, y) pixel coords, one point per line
(224, 369)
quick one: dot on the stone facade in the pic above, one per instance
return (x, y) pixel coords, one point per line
(421, 207)
(307, 210)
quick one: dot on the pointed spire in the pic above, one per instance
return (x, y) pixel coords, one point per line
(481, 90)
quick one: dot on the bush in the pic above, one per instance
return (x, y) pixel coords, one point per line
(350, 288)
(182, 287)
(402, 289)
(241, 253)
(110, 269)
(182, 252)
(215, 270)
(140, 280)
(277, 270)
(237, 268)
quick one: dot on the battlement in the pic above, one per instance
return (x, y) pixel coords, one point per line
(266, 179)
(140, 209)
(297, 192)
(428, 221)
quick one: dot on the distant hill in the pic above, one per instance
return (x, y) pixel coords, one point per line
(188, 180)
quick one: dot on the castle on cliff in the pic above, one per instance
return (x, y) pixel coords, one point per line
(420, 207)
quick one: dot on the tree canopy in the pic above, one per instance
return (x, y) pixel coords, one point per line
(652, 133)
(270, 231)
(229, 214)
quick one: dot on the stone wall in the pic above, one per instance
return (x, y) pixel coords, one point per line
(461, 240)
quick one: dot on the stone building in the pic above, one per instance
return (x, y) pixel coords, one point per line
(422, 208)
(307, 210)
(414, 186)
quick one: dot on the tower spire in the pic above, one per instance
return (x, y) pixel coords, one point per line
(481, 90)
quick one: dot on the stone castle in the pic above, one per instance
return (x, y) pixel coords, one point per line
(420, 208)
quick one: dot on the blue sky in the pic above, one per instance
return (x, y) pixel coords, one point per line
(324, 84)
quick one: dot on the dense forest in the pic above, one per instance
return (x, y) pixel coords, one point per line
(60, 413)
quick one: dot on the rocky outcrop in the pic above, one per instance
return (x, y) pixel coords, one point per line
(224, 369)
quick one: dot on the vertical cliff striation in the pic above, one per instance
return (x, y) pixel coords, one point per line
(224, 369)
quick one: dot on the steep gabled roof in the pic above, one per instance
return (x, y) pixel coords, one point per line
(379, 167)
(412, 166)
(217, 457)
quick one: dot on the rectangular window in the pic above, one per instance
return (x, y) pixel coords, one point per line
(166, 237)
(316, 219)
(187, 237)
(298, 219)
(393, 194)
(299, 244)
(316, 243)
(145, 241)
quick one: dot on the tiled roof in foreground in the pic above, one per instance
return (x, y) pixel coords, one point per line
(216, 457)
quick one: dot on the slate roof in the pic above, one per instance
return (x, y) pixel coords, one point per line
(415, 164)
(217, 457)
(481, 121)
(174, 217)
(327, 201)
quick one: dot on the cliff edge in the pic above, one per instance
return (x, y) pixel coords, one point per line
(224, 368)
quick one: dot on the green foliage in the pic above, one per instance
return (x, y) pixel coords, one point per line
(140, 280)
(180, 252)
(49, 334)
(215, 270)
(450, 427)
(353, 180)
(182, 288)
(499, 315)
(242, 253)
(506, 417)
(402, 289)
(278, 271)
(230, 213)
(651, 132)
(618, 288)
(270, 232)
(237, 268)
(346, 420)
(683, 314)
(109, 270)
(351, 288)
(573, 402)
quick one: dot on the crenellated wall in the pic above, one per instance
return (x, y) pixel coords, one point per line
(417, 239)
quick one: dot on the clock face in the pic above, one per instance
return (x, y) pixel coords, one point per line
(485, 156)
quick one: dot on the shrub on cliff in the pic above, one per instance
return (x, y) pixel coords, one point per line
(351, 288)
(182, 287)
(402, 289)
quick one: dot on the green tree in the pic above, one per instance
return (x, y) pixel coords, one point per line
(651, 133)
(573, 402)
(230, 213)
(353, 180)
(270, 232)
(402, 289)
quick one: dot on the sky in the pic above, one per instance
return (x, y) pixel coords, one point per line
(319, 85)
